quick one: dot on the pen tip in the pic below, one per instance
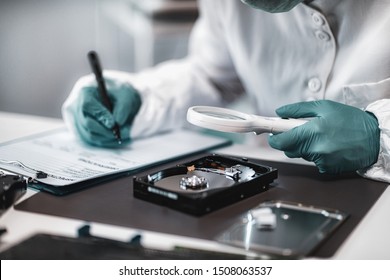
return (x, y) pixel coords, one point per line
(117, 134)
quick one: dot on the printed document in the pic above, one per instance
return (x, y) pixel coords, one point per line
(57, 158)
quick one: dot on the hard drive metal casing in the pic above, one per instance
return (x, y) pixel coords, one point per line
(229, 180)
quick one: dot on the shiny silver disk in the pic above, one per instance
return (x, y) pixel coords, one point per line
(214, 181)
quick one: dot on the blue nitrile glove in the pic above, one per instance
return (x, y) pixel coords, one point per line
(338, 139)
(94, 122)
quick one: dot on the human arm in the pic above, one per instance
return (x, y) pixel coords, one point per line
(339, 138)
(93, 122)
(205, 77)
(380, 170)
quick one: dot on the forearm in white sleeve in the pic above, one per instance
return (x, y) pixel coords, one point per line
(206, 77)
(381, 169)
(167, 91)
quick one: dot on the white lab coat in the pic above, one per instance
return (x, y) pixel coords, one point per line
(328, 49)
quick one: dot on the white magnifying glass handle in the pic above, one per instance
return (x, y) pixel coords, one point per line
(274, 125)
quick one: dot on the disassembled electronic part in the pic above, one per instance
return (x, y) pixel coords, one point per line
(264, 218)
(205, 184)
(193, 183)
(12, 187)
(283, 229)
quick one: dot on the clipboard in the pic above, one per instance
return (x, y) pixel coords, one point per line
(59, 163)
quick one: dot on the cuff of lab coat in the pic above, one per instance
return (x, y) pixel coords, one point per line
(380, 171)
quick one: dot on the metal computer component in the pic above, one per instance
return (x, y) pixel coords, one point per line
(205, 184)
(12, 187)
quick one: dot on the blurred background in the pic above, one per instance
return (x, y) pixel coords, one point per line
(43, 44)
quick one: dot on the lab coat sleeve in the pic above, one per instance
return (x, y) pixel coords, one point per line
(205, 77)
(381, 169)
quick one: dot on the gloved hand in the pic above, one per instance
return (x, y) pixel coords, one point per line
(94, 122)
(338, 139)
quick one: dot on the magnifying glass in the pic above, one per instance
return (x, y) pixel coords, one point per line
(228, 120)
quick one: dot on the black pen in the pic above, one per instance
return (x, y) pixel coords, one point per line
(97, 70)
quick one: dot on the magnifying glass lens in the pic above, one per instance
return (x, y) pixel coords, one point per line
(221, 115)
(220, 119)
(228, 120)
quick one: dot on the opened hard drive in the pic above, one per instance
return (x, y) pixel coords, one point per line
(206, 184)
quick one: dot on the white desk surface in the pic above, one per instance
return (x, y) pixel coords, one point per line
(369, 240)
